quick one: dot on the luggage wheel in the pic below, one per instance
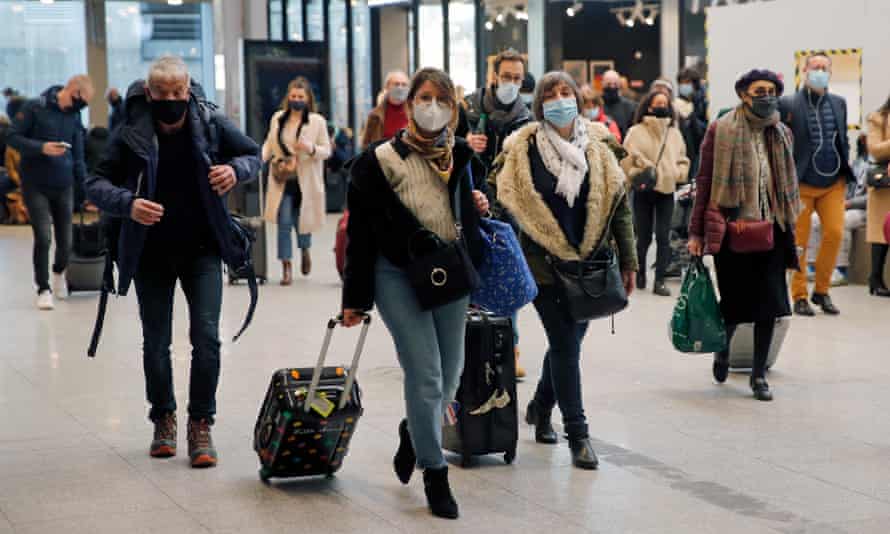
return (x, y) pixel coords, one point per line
(509, 457)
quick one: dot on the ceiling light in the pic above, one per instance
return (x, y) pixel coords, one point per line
(630, 23)
(650, 21)
(17, 8)
(570, 11)
(47, 1)
(174, 2)
(500, 18)
(132, 10)
(489, 25)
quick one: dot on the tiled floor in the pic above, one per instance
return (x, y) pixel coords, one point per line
(680, 454)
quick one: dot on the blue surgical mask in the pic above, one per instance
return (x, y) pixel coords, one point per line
(686, 90)
(818, 79)
(507, 93)
(562, 112)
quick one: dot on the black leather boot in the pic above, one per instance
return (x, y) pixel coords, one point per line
(641, 279)
(536, 417)
(721, 366)
(583, 455)
(824, 302)
(438, 493)
(404, 460)
(761, 389)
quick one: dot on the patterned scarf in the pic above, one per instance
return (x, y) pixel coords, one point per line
(735, 181)
(436, 150)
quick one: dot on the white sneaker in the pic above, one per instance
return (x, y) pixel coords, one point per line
(45, 300)
(60, 286)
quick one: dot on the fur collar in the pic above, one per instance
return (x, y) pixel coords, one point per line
(516, 191)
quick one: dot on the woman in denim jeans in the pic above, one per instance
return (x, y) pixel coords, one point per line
(561, 182)
(398, 187)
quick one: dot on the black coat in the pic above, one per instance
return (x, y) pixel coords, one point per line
(794, 113)
(128, 171)
(379, 224)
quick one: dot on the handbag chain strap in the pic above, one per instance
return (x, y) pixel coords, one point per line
(664, 141)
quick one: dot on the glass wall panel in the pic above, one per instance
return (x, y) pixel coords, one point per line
(361, 50)
(462, 39)
(315, 20)
(41, 45)
(276, 19)
(339, 78)
(137, 33)
(431, 25)
(294, 20)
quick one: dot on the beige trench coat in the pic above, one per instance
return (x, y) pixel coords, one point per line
(878, 203)
(310, 170)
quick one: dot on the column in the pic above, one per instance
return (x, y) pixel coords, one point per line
(537, 47)
(97, 60)
(670, 38)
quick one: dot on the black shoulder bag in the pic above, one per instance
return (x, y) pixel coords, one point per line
(647, 179)
(591, 288)
(441, 272)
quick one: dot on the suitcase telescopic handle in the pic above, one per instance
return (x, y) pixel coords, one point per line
(353, 368)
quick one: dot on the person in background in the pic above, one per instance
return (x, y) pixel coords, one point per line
(878, 205)
(48, 134)
(12, 160)
(655, 125)
(691, 106)
(854, 218)
(627, 92)
(297, 146)
(592, 109)
(527, 91)
(167, 182)
(9, 94)
(343, 148)
(747, 173)
(399, 188)
(818, 120)
(620, 108)
(115, 107)
(559, 181)
(391, 115)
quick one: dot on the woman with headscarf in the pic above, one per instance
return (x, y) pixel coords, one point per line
(748, 175)
(401, 187)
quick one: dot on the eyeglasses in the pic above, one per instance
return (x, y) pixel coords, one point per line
(511, 79)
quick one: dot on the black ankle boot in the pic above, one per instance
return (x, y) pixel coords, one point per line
(536, 417)
(641, 280)
(761, 389)
(438, 493)
(583, 455)
(721, 366)
(404, 460)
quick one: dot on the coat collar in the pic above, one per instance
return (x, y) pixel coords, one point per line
(516, 191)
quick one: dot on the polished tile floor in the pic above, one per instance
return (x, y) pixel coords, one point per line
(679, 453)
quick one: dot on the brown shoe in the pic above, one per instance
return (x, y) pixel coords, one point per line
(305, 262)
(201, 450)
(520, 371)
(163, 445)
(287, 273)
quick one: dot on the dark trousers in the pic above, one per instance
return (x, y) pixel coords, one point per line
(201, 280)
(560, 381)
(878, 259)
(763, 339)
(49, 209)
(653, 212)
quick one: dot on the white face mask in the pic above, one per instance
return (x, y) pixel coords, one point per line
(432, 116)
(398, 95)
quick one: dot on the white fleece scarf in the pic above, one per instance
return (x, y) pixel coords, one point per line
(566, 160)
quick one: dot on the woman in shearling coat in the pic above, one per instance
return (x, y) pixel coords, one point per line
(878, 203)
(296, 147)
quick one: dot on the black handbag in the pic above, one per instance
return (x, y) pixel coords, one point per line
(591, 288)
(647, 179)
(877, 177)
(441, 273)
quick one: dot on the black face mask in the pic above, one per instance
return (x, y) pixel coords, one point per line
(168, 111)
(764, 106)
(297, 105)
(660, 112)
(610, 94)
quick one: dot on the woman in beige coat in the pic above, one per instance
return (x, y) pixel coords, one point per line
(653, 209)
(296, 147)
(878, 203)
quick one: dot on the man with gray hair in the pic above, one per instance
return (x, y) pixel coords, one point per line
(621, 109)
(165, 177)
(391, 115)
(48, 133)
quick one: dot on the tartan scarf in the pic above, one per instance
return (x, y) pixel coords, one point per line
(735, 178)
(437, 150)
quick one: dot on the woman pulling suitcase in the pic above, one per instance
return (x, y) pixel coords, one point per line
(410, 199)
(562, 184)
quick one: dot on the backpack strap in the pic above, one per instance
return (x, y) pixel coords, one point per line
(107, 287)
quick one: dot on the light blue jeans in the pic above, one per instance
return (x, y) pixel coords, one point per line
(289, 220)
(430, 348)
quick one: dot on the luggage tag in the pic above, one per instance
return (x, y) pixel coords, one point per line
(321, 405)
(451, 411)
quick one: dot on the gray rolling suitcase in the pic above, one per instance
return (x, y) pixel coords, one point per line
(741, 348)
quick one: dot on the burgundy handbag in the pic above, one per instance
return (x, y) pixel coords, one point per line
(750, 236)
(887, 228)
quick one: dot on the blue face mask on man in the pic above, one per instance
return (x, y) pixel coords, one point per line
(561, 112)
(818, 79)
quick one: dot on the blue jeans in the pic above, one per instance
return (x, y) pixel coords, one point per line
(430, 348)
(289, 218)
(560, 381)
(49, 210)
(201, 281)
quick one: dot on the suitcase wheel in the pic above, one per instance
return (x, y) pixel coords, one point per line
(509, 456)
(265, 474)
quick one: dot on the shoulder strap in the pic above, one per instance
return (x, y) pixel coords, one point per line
(107, 287)
(664, 141)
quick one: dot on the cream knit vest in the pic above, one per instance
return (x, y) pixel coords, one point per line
(420, 189)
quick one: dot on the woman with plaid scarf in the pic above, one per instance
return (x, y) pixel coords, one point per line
(747, 174)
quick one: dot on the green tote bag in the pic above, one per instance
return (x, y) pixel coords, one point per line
(697, 324)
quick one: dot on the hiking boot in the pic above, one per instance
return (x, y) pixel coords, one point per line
(201, 451)
(163, 445)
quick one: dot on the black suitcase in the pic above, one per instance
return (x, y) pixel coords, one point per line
(86, 265)
(296, 438)
(335, 190)
(487, 415)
